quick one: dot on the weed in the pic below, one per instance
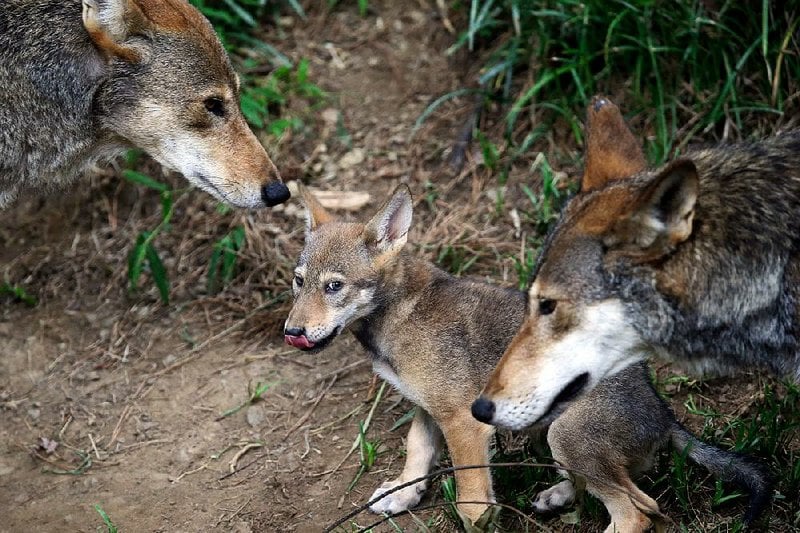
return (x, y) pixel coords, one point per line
(222, 264)
(546, 205)
(456, 259)
(363, 6)
(144, 252)
(85, 464)
(253, 395)
(367, 452)
(405, 419)
(17, 293)
(263, 100)
(448, 487)
(110, 527)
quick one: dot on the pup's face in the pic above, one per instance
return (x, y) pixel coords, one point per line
(174, 94)
(340, 269)
(334, 284)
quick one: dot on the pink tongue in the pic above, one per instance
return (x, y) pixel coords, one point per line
(298, 341)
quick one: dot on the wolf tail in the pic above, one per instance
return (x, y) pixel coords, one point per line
(745, 472)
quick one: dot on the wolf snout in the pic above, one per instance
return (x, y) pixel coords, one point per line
(274, 193)
(483, 410)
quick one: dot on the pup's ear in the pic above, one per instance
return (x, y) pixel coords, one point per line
(110, 23)
(316, 215)
(612, 152)
(661, 217)
(388, 229)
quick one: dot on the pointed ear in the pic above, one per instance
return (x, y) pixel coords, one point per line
(316, 215)
(612, 152)
(110, 23)
(661, 217)
(388, 229)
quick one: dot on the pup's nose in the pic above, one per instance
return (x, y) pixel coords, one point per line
(274, 193)
(294, 332)
(483, 410)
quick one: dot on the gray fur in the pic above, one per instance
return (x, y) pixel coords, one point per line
(71, 98)
(61, 84)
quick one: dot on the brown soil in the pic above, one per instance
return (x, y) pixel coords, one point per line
(133, 390)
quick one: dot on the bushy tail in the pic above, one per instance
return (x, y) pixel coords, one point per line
(745, 472)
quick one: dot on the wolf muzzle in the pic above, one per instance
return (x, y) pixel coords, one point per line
(297, 337)
(274, 193)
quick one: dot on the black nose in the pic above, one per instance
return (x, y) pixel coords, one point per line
(295, 332)
(483, 410)
(274, 193)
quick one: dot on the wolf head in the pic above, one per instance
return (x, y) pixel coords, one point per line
(171, 90)
(339, 270)
(578, 329)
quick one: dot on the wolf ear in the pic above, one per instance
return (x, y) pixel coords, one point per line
(612, 152)
(662, 215)
(110, 23)
(316, 215)
(388, 229)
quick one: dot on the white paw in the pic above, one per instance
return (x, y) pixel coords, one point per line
(554, 498)
(398, 501)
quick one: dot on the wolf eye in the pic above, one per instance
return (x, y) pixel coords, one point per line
(298, 280)
(215, 106)
(333, 286)
(546, 306)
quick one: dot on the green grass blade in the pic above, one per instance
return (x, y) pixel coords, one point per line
(142, 179)
(158, 272)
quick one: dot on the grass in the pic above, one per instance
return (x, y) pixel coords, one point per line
(367, 454)
(253, 395)
(695, 70)
(110, 527)
(17, 293)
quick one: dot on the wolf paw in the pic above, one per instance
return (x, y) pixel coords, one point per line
(399, 501)
(554, 498)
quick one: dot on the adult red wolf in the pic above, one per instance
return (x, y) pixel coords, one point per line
(84, 80)
(696, 262)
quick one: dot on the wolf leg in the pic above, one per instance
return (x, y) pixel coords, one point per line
(468, 443)
(556, 497)
(424, 443)
(626, 503)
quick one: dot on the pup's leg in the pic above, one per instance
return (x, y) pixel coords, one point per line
(468, 443)
(555, 498)
(424, 443)
(625, 503)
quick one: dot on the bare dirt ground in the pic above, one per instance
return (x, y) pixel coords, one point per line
(132, 392)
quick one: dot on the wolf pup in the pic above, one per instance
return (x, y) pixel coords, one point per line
(436, 338)
(697, 262)
(84, 80)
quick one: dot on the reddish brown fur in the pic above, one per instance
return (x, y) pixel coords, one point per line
(612, 152)
(110, 48)
(172, 15)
